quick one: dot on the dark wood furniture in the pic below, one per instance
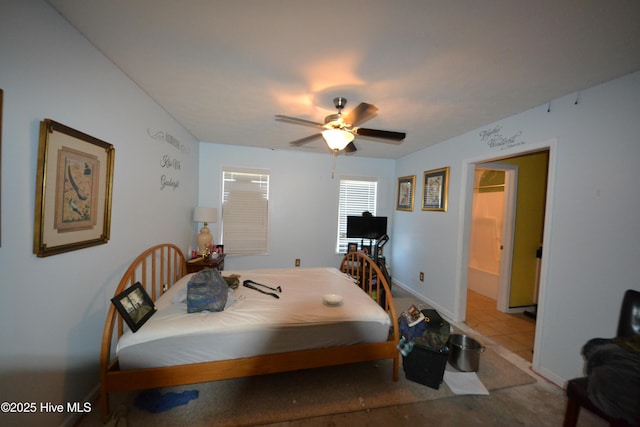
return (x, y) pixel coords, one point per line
(197, 264)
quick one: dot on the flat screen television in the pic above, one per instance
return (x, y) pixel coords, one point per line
(366, 227)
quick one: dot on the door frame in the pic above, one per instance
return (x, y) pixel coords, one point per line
(466, 199)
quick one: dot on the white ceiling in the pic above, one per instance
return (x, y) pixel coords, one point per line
(435, 69)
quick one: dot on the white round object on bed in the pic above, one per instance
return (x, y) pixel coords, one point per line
(332, 299)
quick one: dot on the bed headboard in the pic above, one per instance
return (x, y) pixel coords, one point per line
(157, 269)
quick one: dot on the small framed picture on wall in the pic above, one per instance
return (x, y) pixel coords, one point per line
(406, 192)
(436, 186)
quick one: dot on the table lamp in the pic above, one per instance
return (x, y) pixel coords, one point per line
(204, 238)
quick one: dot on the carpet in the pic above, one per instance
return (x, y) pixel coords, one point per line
(303, 394)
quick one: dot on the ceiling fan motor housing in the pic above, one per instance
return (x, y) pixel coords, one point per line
(339, 102)
(335, 120)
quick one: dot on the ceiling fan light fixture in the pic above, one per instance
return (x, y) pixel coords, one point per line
(339, 132)
(337, 139)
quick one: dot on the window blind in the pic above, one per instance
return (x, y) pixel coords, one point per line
(245, 211)
(356, 196)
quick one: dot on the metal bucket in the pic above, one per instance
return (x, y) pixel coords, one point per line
(464, 353)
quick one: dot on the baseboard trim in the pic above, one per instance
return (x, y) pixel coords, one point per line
(72, 419)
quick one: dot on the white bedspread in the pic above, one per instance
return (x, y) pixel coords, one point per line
(254, 323)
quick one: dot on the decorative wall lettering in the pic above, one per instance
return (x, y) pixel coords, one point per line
(161, 136)
(494, 139)
(168, 161)
(166, 181)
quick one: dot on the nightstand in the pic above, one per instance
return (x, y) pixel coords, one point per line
(197, 264)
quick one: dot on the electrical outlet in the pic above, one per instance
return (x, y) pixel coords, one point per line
(297, 262)
(421, 276)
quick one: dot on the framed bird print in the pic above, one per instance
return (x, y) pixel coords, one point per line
(74, 186)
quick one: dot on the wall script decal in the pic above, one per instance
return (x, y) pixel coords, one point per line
(168, 161)
(169, 139)
(494, 139)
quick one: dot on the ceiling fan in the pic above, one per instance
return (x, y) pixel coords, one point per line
(340, 130)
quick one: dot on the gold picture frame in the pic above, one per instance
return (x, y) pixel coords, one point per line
(74, 185)
(406, 193)
(435, 190)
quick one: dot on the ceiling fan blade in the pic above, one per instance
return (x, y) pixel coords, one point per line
(382, 134)
(301, 141)
(361, 113)
(297, 121)
(350, 148)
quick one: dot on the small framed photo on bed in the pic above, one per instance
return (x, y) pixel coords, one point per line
(134, 305)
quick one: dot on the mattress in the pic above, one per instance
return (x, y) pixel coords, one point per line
(254, 323)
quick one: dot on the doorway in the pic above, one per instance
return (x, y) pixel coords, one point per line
(504, 264)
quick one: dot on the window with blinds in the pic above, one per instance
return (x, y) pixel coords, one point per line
(357, 195)
(245, 211)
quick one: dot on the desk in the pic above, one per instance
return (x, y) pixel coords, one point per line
(197, 264)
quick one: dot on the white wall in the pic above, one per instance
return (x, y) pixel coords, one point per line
(303, 200)
(590, 251)
(52, 309)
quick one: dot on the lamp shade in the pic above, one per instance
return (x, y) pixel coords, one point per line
(206, 215)
(337, 139)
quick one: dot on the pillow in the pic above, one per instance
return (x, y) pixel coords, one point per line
(180, 296)
(207, 290)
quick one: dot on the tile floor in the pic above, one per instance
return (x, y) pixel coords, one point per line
(515, 332)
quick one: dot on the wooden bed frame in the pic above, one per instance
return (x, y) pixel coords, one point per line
(159, 267)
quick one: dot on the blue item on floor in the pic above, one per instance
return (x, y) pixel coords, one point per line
(154, 401)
